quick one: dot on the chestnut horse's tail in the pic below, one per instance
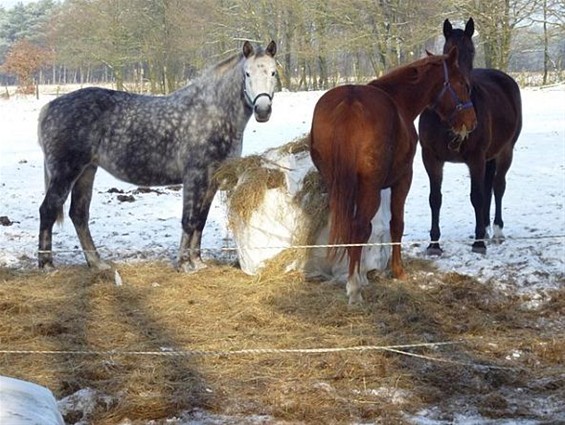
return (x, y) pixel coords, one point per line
(343, 189)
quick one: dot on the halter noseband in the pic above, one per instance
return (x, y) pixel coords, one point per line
(459, 104)
(252, 101)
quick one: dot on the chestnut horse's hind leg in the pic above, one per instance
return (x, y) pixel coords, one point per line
(79, 212)
(399, 192)
(353, 287)
(367, 204)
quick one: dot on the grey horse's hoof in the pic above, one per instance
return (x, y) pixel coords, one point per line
(191, 266)
(101, 266)
(47, 267)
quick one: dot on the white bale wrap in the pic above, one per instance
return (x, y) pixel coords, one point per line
(25, 403)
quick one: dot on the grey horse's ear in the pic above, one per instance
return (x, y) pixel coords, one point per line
(247, 49)
(470, 28)
(447, 28)
(271, 48)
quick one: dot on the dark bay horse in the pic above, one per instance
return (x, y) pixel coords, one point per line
(363, 140)
(487, 151)
(151, 140)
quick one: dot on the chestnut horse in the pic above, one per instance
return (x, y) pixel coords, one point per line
(487, 151)
(363, 140)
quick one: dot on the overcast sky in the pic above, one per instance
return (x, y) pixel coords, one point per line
(7, 4)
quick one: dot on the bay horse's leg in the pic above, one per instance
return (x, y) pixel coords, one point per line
(198, 196)
(490, 170)
(79, 212)
(399, 192)
(477, 172)
(503, 163)
(434, 169)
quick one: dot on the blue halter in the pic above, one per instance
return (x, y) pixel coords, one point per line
(459, 104)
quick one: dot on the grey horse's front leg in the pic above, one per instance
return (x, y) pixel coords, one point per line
(189, 258)
(198, 194)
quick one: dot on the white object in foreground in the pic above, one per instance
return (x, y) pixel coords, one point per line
(25, 403)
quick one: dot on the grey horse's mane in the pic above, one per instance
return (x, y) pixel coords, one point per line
(215, 72)
(222, 67)
(229, 63)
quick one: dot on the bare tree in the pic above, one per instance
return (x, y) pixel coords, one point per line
(496, 21)
(321, 42)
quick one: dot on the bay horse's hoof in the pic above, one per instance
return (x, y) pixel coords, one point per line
(497, 235)
(479, 248)
(434, 250)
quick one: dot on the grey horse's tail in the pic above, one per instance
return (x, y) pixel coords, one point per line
(47, 178)
(46, 175)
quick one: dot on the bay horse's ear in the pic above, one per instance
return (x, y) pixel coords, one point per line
(271, 48)
(428, 53)
(470, 28)
(447, 28)
(247, 49)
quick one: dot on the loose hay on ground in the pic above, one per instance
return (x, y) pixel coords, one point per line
(221, 309)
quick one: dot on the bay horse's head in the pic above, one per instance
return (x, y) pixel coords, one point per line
(453, 104)
(462, 39)
(260, 70)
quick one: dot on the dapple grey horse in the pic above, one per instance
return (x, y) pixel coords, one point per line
(151, 140)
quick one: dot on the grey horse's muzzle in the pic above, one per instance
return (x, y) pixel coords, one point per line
(262, 106)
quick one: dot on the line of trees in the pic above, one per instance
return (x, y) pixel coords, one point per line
(157, 45)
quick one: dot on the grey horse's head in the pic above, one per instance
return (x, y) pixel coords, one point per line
(260, 70)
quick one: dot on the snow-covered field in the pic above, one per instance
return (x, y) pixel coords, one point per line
(529, 262)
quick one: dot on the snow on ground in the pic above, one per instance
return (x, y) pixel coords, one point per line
(531, 260)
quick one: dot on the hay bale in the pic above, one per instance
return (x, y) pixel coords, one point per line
(277, 201)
